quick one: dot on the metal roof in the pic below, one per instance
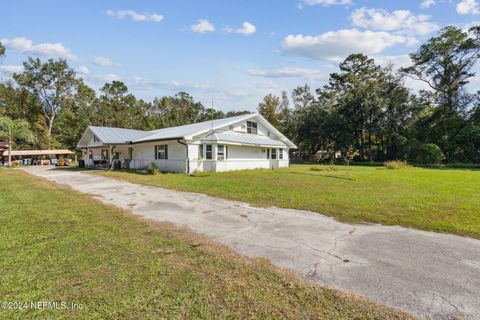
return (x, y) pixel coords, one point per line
(118, 135)
(125, 136)
(191, 129)
(37, 152)
(242, 138)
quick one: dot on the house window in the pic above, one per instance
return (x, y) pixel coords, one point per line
(280, 154)
(251, 127)
(95, 139)
(90, 154)
(208, 152)
(161, 152)
(200, 151)
(222, 152)
(274, 154)
(268, 153)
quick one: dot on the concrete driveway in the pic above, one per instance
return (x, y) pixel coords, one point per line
(431, 275)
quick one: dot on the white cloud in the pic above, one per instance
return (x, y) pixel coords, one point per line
(9, 69)
(51, 50)
(336, 45)
(268, 84)
(285, 73)
(427, 4)
(468, 7)
(326, 3)
(102, 61)
(246, 29)
(83, 70)
(397, 62)
(402, 21)
(202, 26)
(142, 83)
(103, 78)
(135, 16)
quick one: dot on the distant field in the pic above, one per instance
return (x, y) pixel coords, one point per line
(441, 200)
(57, 245)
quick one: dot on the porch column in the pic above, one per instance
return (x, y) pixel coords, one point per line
(110, 155)
(88, 156)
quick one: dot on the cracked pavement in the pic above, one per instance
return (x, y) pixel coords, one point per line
(433, 276)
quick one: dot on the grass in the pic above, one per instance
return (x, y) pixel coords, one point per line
(440, 200)
(59, 245)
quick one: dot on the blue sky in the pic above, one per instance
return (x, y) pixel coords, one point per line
(232, 52)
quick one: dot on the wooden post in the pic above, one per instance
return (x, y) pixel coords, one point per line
(10, 153)
(110, 156)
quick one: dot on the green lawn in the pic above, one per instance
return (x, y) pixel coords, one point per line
(59, 245)
(441, 200)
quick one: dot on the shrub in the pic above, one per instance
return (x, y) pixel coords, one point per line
(153, 169)
(201, 174)
(428, 153)
(395, 164)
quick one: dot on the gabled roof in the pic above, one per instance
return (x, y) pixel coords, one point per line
(117, 135)
(126, 136)
(190, 130)
(242, 139)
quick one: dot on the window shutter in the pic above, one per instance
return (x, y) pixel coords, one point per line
(226, 152)
(156, 152)
(166, 151)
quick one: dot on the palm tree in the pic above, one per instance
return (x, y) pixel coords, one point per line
(14, 130)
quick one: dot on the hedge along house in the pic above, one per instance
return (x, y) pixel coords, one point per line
(243, 142)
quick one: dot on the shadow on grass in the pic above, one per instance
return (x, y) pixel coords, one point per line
(323, 175)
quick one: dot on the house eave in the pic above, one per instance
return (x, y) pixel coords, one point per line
(153, 140)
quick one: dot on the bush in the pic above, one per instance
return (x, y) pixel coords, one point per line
(153, 169)
(395, 164)
(428, 153)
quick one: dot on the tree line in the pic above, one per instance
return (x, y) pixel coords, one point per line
(365, 112)
(58, 106)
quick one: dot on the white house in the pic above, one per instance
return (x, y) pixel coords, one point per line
(243, 142)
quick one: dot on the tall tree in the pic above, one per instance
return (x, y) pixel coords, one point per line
(14, 131)
(445, 62)
(80, 112)
(2, 50)
(302, 96)
(269, 108)
(179, 110)
(53, 83)
(355, 94)
(117, 105)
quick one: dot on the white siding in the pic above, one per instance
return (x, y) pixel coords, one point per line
(144, 156)
(88, 140)
(239, 158)
(242, 128)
